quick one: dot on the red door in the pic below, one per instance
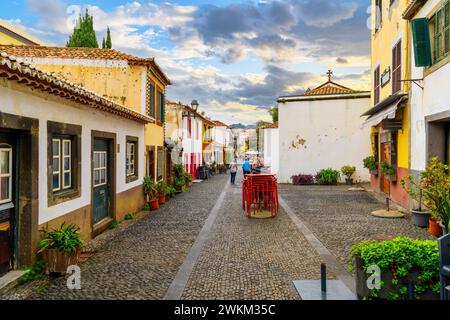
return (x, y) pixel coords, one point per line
(385, 183)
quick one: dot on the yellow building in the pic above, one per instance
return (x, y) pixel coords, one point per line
(138, 83)
(12, 35)
(388, 116)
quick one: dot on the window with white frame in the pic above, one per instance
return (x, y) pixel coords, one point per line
(131, 159)
(5, 174)
(100, 171)
(62, 163)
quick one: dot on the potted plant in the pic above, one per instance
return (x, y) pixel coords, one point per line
(161, 187)
(348, 172)
(328, 176)
(388, 170)
(420, 217)
(60, 247)
(151, 193)
(371, 164)
(187, 179)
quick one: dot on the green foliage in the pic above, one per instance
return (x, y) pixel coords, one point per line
(178, 183)
(161, 187)
(187, 177)
(146, 207)
(170, 191)
(83, 33)
(348, 171)
(387, 169)
(34, 272)
(130, 216)
(402, 256)
(328, 176)
(108, 43)
(261, 123)
(67, 238)
(178, 171)
(274, 114)
(114, 224)
(370, 163)
(150, 189)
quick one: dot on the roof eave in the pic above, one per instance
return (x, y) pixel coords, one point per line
(412, 8)
(359, 95)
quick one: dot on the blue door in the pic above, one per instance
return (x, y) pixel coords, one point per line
(100, 180)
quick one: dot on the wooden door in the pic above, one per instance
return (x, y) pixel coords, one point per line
(101, 201)
(7, 201)
(385, 183)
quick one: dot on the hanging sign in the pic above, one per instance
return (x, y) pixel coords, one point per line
(386, 76)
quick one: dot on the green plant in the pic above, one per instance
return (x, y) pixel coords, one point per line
(170, 191)
(348, 171)
(146, 207)
(178, 183)
(34, 272)
(328, 176)
(67, 238)
(114, 224)
(187, 177)
(387, 169)
(129, 216)
(402, 256)
(178, 170)
(370, 163)
(161, 187)
(150, 189)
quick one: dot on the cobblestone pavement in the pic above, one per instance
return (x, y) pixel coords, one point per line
(251, 259)
(141, 261)
(341, 218)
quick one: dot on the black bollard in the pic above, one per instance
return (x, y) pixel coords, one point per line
(410, 290)
(323, 277)
(388, 204)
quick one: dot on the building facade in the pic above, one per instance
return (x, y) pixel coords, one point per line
(271, 149)
(67, 154)
(323, 129)
(12, 35)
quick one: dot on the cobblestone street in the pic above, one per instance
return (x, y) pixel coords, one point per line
(239, 259)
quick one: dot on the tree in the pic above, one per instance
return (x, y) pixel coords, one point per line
(83, 33)
(108, 39)
(260, 124)
(103, 44)
(274, 113)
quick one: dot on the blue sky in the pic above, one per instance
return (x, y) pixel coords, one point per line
(234, 57)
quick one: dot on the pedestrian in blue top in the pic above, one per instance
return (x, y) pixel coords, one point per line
(247, 167)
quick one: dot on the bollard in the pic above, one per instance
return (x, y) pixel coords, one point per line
(410, 290)
(388, 204)
(323, 277)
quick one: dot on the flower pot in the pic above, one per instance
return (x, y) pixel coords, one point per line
(420, 218)
(162, 199)
(434, 228)
(186, 184)
(57, 261)
(348, 181)
(154, 204)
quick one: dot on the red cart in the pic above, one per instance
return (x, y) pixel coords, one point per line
(260, 192)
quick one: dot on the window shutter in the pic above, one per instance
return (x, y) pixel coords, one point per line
(163, 108)
(394, 149)
(421, 40)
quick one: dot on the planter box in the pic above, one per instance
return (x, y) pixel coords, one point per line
(362, 291)
(420, 218)
(57, 261)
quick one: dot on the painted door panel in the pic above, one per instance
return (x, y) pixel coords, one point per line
(385, 183)
(7, 200)
(100, 180)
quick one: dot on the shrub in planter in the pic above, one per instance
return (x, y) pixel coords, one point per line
(303, 179)
(328, 176)
(187, 179)
(371, 164)
(60, 247)
(399, 260)
(178, 184)
(161, 187)
(151, 192)
(348, 172)
(388, 170)
(420, 217)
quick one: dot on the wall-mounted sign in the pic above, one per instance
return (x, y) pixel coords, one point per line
(386, 76)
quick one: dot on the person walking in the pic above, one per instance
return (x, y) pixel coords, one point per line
(247, 167)
(233, 171)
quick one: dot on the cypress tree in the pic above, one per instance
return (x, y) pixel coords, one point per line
(108, 39)
(83, 33)
(103, 44)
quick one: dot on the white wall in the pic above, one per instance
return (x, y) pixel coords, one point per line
(435, 98)
(25, 104)
(272, 149)
(319, 134)
(192, 144)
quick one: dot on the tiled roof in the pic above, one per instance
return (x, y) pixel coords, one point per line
(220, 124)
(14, 70)
(81, 53)
(271, 126)
(329, 87)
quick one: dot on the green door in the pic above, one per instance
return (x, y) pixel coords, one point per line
(100, 180)
(7, 201)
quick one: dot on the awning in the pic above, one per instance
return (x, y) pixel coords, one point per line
(386, 109)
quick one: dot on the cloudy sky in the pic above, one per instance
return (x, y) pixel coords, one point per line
(234, 57)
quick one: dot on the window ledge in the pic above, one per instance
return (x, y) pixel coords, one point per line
(429, 70)
(130, 179)
(63, 196)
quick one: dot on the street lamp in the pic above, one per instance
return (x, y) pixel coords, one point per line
(194, 105)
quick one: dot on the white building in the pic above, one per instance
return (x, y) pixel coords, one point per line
(220, 139)
(66, 155)
(271, 150)
(430, 94)
(192, 140)
(321, 129)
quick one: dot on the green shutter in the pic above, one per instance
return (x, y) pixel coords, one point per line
(421, 40)
(163, 108)
(152, 101)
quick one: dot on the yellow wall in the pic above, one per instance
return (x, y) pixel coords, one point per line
(8, 40)
(120, 84)
(393, 28)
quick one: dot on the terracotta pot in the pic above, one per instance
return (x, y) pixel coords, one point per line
(162, 199)
(57, 261)
(154, 204)
(186, 184)
(434, 228)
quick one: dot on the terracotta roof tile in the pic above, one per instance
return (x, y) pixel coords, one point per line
(220, 124)
(329, 87)
(271, 126)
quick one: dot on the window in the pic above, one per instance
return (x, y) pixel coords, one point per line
(5, 174)
(161, 107)
(378, 14)
(100, 170)
(441, 32)
(189, 126)
(62, 163)
(397, 67)
(151, 107)
(131, 159)
(376, 79)
(159, 163)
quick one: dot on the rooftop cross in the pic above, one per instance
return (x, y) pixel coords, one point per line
(330, 74)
